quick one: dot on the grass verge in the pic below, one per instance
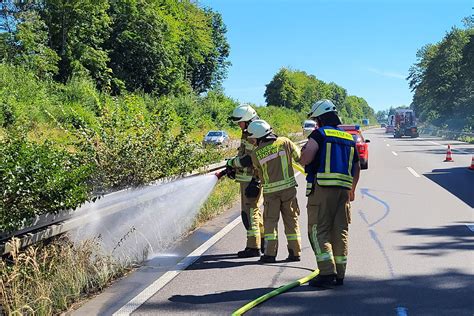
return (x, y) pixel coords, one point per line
(47, 279)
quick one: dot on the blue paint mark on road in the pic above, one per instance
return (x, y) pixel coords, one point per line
(372, 232)
(362, 215)
(379, 244)
(401, 311)
(365, 191)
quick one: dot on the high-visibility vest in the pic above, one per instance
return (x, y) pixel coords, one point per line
(274, 160)
(243, 174)
(336, 158)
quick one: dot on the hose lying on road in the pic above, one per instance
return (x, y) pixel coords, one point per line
(273, 293)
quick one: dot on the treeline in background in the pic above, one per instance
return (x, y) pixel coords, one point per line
(297, 90)
(442, 80)
(159, 46)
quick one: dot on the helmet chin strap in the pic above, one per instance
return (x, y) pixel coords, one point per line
(271, 136)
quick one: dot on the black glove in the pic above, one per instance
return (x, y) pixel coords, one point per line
(230, 172)
(245, 161)
(253, 189)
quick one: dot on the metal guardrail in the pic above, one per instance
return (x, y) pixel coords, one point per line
(433, 131)
(50, 225)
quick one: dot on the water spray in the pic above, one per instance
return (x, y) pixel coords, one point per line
(154, 218)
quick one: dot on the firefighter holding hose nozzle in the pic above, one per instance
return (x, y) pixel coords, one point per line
(241, 170)
(273, 159)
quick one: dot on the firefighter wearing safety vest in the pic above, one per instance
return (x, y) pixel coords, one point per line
(273, 159)
(332, 165)
(251, 215)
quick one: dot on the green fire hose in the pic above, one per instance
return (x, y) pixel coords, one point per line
(273, 293)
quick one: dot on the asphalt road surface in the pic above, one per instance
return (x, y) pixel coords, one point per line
(410, 249)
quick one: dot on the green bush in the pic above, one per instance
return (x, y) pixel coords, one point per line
(22, 96)
(38, 179)
(283, 121)
(81, 142)
(139, 154)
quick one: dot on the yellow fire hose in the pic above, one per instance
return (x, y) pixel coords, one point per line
(273, 293)
(299, 168)
(283, 288)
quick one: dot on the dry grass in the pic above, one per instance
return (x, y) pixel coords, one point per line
(47, 279)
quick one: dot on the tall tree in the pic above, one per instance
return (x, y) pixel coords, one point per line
(32, 50)
(144, 47)
(295, 89)
(204, 46)
(442, 79)
(298, 90)
(24, 40)
(77, 31)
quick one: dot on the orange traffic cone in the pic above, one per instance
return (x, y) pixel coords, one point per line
(472, 164)
(449, 158)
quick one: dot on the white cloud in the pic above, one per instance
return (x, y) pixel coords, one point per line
(387, 73)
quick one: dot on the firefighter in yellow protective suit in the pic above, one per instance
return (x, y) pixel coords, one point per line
(332, 165)
(273, 159)
(251, 215)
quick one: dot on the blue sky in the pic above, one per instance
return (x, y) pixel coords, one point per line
(365, 46)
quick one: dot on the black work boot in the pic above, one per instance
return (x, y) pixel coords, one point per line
(339, 281)
(267, 259)
(323, 281)
(292, 257)
(248, 253)
(262, 245)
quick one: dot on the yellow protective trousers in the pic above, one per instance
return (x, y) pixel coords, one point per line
(251, 217)
(283, 202)
(329, 215)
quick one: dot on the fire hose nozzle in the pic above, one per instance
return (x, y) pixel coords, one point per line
(221, 173)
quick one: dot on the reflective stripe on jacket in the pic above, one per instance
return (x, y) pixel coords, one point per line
(274, 161)
(336, 159)
(246, 148)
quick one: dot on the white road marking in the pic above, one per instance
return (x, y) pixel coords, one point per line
(435, 143)
(151, 290)
(462, 151)
(394, 153)
(141, 298)
(413, 172)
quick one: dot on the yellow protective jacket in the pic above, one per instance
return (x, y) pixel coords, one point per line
(243, 174)
(273, 161)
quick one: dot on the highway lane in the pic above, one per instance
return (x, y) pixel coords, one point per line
(411, 251)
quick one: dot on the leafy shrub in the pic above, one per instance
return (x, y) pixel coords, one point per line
(283, 121)
(130, 150)
(22, 96)
(83, 91)
(38, 179)
(81, 142)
